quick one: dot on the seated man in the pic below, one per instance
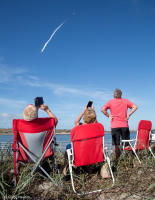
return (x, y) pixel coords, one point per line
(31, 112)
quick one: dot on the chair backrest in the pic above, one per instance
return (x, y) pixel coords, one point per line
(143, 134)
(34, 136)
(87, 141)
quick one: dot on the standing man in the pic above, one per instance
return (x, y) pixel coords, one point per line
(119, 118)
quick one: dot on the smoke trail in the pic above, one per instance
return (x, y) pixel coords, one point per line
(52, 36)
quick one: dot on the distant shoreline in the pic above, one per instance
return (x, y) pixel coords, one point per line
(58, 131)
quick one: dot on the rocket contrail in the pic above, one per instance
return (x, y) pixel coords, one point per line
(51, 36)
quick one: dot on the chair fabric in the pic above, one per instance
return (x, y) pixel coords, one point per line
(87, 140)
(142, 139)
(34, 136)
(145, 124)
(143, 135)
(87, 149)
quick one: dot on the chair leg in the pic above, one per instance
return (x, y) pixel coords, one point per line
(69, 153)
(108, 161)
(136, 155)
(47, 175)
(44, 171)
(70, 168)
(134, 151)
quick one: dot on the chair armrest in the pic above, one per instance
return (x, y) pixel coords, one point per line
(69, 152)
(152, 138)
(129, 140)
(70, 156)
(131, 143)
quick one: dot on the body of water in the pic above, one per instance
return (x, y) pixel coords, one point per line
(63, 140)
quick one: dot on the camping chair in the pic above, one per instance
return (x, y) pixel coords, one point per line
(142, 139)
(87, 143)
(33, 141)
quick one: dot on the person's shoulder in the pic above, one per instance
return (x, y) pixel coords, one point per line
(111, 100)
(127, 100)
(108, 103)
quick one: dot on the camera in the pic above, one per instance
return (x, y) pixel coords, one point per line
(89, 104)
(39, 101)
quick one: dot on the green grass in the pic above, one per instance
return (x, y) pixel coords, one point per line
(131, 180)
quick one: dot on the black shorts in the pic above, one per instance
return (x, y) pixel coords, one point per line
(117, 132)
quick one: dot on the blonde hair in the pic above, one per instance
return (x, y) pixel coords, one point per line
(89, 116)
(30, 113)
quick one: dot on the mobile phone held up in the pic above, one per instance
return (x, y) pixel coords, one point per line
(89, 104)
(39, 101)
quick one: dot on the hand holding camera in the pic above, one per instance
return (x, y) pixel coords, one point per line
(89, 104)
(44, 107)
(38, 101)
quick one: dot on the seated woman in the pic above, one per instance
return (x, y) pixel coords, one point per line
(89, 116)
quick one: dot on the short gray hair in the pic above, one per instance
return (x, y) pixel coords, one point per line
(30, 113)
(117, 93)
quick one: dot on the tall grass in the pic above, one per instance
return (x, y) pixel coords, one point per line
(131, 178)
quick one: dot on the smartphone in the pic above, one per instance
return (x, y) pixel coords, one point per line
(89, 104)
(39, 101)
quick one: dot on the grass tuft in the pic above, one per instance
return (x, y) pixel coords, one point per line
(132, 180)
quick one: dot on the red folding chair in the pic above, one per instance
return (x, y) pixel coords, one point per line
(33, 142)
(142, 139)
(87, 148)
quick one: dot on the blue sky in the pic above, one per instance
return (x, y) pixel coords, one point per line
(103, 45)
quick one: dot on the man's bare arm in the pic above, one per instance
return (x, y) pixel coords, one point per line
(133, 109)
(49, 112)
(104, 111)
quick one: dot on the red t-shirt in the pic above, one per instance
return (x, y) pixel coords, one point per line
(118, 108)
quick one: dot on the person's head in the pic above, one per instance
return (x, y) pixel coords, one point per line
(89, 116)
(30, 113)
(117, 93)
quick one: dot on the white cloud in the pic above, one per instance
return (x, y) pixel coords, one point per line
(4, 76)
(62, 90)
(12, 103)
(33, 78)
(8, 74)
(6, 119)
(92, 93)
(4, 115)
(10, 116)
